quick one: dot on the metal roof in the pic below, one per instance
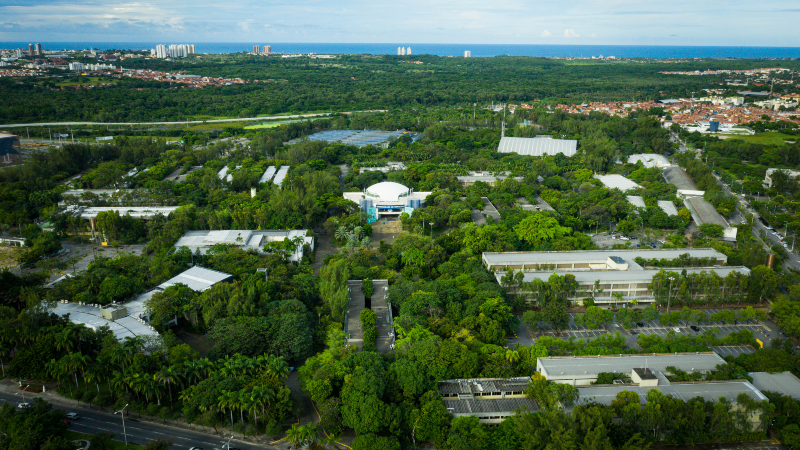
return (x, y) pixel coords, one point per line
(268, 174)
(280, 176)
(668, 207)
(244, 239)
(649, 160)
(583, 367)
(388, 190)
(636, 201)
(538, 146)
(490, 406)
(134, 211)
(91, 316)
(678, 177)
(704, 212)
(197, 279)
(358, 138)
(783, 383)
(708, 391)
(622, 276)
(617, 182)
(595, 256)
(477, 385)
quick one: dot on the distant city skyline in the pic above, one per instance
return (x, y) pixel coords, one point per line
(584, 22)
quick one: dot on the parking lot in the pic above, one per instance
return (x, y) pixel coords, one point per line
(607, 239)
(733, 350)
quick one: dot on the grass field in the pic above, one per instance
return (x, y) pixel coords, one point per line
(8, 256)
(766, 138)
(74, 81)
(115, 445)
(276, 124)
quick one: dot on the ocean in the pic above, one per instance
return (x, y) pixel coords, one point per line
(478, 50)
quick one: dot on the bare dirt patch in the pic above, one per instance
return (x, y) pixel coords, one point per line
(8, 256)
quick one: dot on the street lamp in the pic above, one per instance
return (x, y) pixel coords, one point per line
(23, 393)
(431, 224)
(669, 294)
(123, 423)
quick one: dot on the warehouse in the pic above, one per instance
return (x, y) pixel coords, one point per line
(490, 178)
(538, 146)
(617, 182)
(491, 400)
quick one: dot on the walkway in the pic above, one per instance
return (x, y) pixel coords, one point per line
(383, 315)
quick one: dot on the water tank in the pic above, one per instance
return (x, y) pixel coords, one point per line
(713, 126)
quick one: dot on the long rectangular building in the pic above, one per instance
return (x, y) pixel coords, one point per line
(583, 370)
(203, 240)
(612, 271)
(491, 400)
(539, 146)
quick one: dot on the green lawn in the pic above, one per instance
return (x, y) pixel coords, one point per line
(74, 81)
(115, 445)
(276, 124)
(767, 138)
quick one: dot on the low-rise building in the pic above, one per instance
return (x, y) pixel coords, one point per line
(491, 400)
(603, 274)
(785, 383)
(768, 177)
(387, 200)
(490, 178)
(649, 160)
(538, 146)
(617, 182)
(204, 240)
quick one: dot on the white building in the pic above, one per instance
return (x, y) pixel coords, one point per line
(538, 146)
(77, 66)
(204, 240)
(768, 176)
(161, 51)
(387, 200)
(617, 182)
(467, 54)
(649, 160)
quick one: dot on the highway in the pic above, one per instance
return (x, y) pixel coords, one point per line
(139, 432)
(181, 122)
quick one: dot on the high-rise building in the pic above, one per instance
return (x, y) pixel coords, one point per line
(161, 51)
(268, 49)
(467, 54)
(399, 51)
(19, 52)
(192, 49)
(257, 49)
(39, 49)
(30, 50)
(408, 52)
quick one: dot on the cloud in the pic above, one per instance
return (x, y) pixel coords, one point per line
(546, 33)
(245, 26)
(570, 33)
(593, 35)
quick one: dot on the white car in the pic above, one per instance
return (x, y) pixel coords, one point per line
(676, 329)
(72, 416)
(24, 405)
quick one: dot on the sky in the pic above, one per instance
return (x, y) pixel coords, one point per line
(564, 22)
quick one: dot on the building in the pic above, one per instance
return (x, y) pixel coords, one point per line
(538, 146)
(161, 51)
(491, 400)
(117, 318)
(31, 51)
(467, 54)
(601, 274)
(280, 176)
(785, 383)
(583, 370)
(390, 166)
(489, 178)
(678, 177)
(198, 279)
(704, 212)
(39, 49)
(267, 176)
(257, 49)
(10, 148)
(203, 240)
(768, 176)
(649, 160)
(667, 206)
(140, 212)
(77, 66)
(617, 182)
(267, 49)
(408, 51)
(387, 200)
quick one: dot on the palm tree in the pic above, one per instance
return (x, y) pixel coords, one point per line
(512, 356)
(65, 339)
(169, 376)
(227, 401)
(341, 233)
(80, 362)
(121, 356)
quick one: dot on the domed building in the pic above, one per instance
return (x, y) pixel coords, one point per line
(387, 200)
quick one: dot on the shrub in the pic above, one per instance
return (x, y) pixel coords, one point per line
(370, 333)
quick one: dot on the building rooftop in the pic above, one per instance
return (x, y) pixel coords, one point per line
(493, 259)
(708, 391)
(622, 276)
(280, 176)
(678, 177)
(142, 212)
(478, 385)
(704, 212)
(590, 366)
(359, 138)
(197, 279)
(538, 146)
(244, 239)
(91, 316)
(636, 201)
(617, 182)
(783, 383)
(668, 207)
(649, 160)
(504, 406)
(268, 174)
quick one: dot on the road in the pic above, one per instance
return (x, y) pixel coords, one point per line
(92, 421)
(241, 119)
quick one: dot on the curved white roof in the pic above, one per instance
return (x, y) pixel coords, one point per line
(387, 190)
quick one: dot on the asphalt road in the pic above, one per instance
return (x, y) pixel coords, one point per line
(92, 421)
(241, 119)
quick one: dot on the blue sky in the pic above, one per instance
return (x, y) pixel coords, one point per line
(586, 22)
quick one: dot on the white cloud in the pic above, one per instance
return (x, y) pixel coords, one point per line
(570, 33)
(593, 35)
(546, 33)
(245, 26)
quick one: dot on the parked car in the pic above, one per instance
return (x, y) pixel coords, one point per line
(24, 405)
(695, 328)
(72, 416)
(676, 329)
(641, 324)
(633, 332)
